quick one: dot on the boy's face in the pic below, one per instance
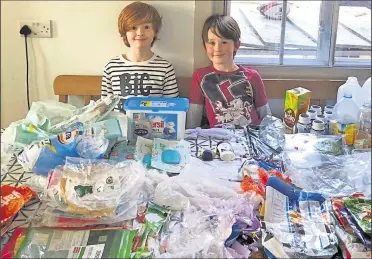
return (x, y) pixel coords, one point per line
(141, 36)
(219, 50)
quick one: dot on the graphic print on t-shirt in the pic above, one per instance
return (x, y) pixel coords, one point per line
(231, 97)
(135, 89)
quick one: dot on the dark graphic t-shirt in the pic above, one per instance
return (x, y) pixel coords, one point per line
(229, 97)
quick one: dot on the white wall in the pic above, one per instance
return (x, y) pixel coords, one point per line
(85, 37)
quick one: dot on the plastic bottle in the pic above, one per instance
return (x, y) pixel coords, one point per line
(328, 115)
(363, 135)
(366, 90)
(345, 113)
(318, 128)
(320, 117)
(328, 108)
(304, 123)
(316, 108)
(312, 115)
(351, 87)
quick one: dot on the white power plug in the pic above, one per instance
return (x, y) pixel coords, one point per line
(39, 29)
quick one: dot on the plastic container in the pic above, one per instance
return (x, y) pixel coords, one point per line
(167, 115)
(316, 108)
(328, 108)
(328, 116)
(304, 123)
(320, 117)
(351, 87)
(366, 90)
(345, 113)
(312, 115)
(363, 135)
(318, 128)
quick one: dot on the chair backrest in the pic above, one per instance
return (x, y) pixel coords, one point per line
(89, 86)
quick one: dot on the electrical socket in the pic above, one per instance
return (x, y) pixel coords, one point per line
(39, 29)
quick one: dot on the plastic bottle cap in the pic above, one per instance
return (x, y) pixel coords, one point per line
(318, 125)
(312, 114)
(328, 114)
(352, 79)
(320, 117)
(304, 118)
(315, 107)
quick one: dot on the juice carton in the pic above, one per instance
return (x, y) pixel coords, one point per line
(297, 101)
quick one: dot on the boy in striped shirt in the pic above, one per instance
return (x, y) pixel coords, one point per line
(139, 72)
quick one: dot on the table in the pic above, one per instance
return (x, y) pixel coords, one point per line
(15, 175)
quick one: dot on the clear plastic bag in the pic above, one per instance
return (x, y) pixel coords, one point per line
(87, 190)
(206, 214)
(330, 175)
(323, 144)
(297, 223)
(272, 131)
(44, 156)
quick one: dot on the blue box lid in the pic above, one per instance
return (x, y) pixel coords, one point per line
(156, 104)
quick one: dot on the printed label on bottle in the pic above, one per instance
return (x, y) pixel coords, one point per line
(349, 130)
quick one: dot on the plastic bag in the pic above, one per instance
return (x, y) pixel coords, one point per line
(12, 200)
(93, 112)
(271, 131)
(44, 156)
(297, 223)
(85, 190)
(206, 214)
(330, 175)
(56, 243)
(322, 144)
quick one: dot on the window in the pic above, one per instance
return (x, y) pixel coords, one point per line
(311, 33)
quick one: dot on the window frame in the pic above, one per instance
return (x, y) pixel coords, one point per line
(326, 45)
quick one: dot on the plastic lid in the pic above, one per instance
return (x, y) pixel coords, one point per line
(328, 107)
(312, 114)
(328, 114)
(367, 104)
(318, 125)
(315, 107)
(352, 79)
(320, 117)
(304, 118)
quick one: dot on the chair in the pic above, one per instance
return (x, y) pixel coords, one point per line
(78, 85)
(90, 86)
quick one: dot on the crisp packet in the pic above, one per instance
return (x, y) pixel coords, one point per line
(12, 200)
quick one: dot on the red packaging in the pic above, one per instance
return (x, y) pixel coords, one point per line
(12, 200)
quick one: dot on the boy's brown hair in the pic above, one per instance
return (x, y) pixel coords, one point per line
(223, 26)
(138, 13)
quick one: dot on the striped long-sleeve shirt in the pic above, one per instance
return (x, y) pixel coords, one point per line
(154, 77)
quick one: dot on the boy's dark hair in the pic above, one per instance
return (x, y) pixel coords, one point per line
(223, 26)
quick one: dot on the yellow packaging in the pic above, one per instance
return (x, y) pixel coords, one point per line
(296, 101)
(348, 130)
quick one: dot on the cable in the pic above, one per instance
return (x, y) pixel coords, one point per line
(25, 30)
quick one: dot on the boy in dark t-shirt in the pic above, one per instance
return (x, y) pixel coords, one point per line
(231, 93)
